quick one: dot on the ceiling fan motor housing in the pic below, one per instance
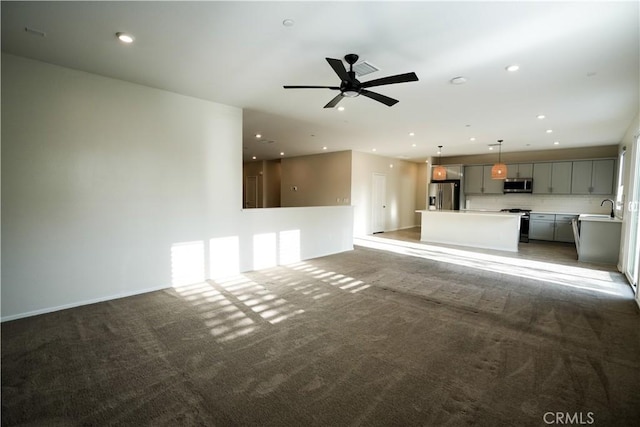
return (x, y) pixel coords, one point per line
(351, 58)
(351, 87)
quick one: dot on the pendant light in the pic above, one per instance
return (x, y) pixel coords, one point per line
(499, 170)
(439, 172)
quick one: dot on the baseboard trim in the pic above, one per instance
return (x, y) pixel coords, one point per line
(80, 303)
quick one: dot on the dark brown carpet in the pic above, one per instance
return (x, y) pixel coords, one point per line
(361, 338)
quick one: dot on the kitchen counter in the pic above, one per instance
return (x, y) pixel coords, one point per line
(479, 229)
(598, 218)
(556, 213)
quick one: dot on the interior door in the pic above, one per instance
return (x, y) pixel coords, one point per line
(251, 192)
(378, 203)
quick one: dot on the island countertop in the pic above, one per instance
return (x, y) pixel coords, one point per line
(479, 229)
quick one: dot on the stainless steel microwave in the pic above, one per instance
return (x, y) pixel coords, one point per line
(518, 185)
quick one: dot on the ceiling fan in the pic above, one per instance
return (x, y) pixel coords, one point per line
(351, 87)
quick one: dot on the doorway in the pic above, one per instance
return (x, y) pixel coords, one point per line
(251, 192)
(378, 203)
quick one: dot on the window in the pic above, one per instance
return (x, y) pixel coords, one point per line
(633, 254)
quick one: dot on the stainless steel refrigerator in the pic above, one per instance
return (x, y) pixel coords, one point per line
(444, 195)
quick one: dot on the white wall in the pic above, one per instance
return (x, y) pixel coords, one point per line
(422, 181)
(283, 235)
(401, 181)
(316, 180)
(112, 189)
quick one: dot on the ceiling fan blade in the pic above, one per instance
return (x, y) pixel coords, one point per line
(380, 98)
(311, 87)
(400, 78)
(338, 67)
(334, 101)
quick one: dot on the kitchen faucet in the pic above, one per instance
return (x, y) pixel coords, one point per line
(613, 215)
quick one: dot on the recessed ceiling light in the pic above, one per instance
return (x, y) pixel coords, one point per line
(324, 148)
(124, 37)
(391, 165)
(426, 161)
(258, 136)
(288, 22)
(490, 148)
(373, 149)
(513, 68)
(282, 153)
(341, 108)
(411, 133)
(254, 157)
(472, 139)
(556, 143)
(541, 116)
(549, 130)
(413, 145)
(458, 80)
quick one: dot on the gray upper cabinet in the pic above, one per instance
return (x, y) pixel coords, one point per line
(581, 177)
(473, 176)
(561, 178)
(520, 170)
(477, 180)
(603, 176)
(593, 177)
(567, 177)
(542, 178)
(491, 186)
(552, 178)
(453, 171)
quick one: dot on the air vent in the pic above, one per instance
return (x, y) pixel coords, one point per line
(363, 68)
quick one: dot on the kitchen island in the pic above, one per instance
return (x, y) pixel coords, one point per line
(478, 229)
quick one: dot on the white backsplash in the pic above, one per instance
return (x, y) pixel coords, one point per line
(540, 203)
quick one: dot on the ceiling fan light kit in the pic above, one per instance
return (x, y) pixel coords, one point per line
(351, 87)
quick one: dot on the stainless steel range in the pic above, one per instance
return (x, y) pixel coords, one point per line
(524, 222)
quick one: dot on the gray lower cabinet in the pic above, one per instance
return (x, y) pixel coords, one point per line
(552, 227)
(564, 229)
(541, 226)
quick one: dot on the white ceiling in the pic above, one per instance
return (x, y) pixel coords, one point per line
(579, 66)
